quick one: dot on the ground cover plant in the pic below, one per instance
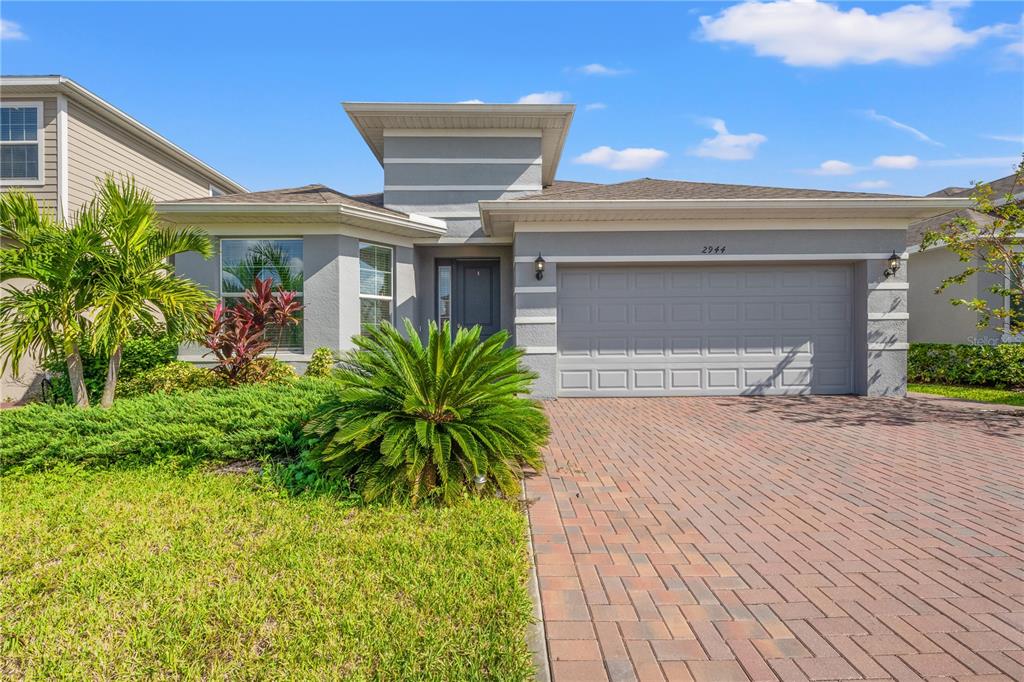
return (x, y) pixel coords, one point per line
(998, 366)
(143, 573)
(979, 394)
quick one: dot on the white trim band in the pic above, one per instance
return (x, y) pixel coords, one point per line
(539, 350)
(462, 188)
(896, 345)
(535, 290)
(539, 319)
(888, 316)
(63, 190)
(707, 258)
(432, 161)
(463, 132)
(889, 286)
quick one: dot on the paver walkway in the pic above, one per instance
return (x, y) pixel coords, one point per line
(781, 538)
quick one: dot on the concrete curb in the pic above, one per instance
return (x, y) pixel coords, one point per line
(967, 404)
(536, 638)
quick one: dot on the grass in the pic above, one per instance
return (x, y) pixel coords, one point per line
(975, 393)
(149, 573)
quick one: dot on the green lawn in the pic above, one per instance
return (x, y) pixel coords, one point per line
(976, 393)
(150, 573)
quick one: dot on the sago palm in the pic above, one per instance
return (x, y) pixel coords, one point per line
(135, 283)
(45, 312)
(439, 421)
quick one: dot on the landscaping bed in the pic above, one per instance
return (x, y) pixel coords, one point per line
(152, 573)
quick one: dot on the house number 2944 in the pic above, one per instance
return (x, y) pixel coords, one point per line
(713, 249)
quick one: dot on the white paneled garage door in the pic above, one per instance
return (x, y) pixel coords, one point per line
(704, 330)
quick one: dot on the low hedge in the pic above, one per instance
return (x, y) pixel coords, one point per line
(1001, 366)
(211, 424)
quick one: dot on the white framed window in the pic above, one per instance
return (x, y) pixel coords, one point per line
(21, 143)
(376, 284)
(1016, 306)
(242, 260)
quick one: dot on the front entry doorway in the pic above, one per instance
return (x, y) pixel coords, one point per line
(468, 293)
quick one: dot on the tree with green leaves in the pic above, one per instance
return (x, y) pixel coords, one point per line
(135, 285)
(46, 311)
(991, 239)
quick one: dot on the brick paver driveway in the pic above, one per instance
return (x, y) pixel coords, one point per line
(781, 538)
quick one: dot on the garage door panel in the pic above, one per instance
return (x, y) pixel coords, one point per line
(694, 330)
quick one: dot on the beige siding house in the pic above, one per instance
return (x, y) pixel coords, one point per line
(58, 139)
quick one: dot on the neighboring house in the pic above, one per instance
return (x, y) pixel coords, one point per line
(57, 139)
(640, 288)
(933, 319)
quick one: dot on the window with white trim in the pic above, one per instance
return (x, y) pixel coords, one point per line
(376, 285)
(280, 260)
(21, 137)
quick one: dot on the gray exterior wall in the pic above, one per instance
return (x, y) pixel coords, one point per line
(418, 169)
(425, 308)
(879, 314)
(933, 319)
(331, 291)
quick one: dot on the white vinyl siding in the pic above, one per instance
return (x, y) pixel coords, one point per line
(376, 284)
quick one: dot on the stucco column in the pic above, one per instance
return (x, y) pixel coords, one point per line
(885, 322)
(536, 322)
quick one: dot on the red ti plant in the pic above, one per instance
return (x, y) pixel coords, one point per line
(237, 334)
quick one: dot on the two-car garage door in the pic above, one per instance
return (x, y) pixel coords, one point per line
(704, 330)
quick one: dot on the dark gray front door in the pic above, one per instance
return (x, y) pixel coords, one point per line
(476, 298)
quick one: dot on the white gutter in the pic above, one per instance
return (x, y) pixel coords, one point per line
(416, 222)
(901, 207)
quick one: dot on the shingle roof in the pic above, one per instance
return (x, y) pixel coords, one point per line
(653, 189)
(1000, 188)
(307, 194)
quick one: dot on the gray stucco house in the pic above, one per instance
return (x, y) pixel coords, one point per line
(932, 318)
(640, 288)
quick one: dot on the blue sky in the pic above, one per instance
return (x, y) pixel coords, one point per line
(893, 97)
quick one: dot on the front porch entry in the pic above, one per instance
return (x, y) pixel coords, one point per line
(469, 293)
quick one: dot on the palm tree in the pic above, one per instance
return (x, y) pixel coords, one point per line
(135, 283)
(47, 314)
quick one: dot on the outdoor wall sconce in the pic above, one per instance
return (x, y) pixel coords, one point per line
(538, 267)
(894, 265)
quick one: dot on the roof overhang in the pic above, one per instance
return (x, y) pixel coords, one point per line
(552, 121)
(501, 216)
(203, 213)
(29, 86)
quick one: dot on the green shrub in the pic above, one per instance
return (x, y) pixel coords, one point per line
(174, 377)
(141, 354)
(322, 363)
(1001, 366)
(266, 370)
(409, 422)
(211, 424)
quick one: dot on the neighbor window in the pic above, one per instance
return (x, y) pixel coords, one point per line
(376, 289)
(20, 142)
(279, 260)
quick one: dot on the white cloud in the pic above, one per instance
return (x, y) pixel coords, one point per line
(1016, 139)
(547, 97)
(600, 70)
(726, 145)
(834, 167)
(811, 33)
(631, 158)
(875, 116)
(596, 106)
(905, 162)
(872, 184)
(1015, 48)
(471, 101)
(11, 30)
